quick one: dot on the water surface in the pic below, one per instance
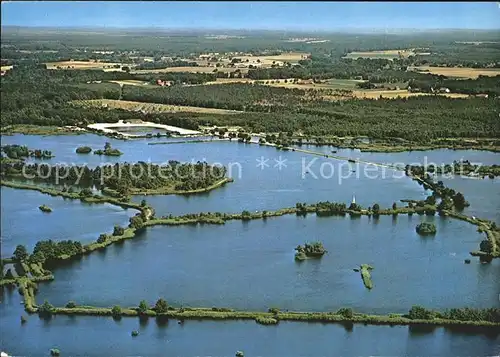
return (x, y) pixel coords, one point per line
(250, 266)
(102, 336)
(22, 221)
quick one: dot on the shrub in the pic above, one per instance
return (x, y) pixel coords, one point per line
(46, 309)
(346, 312)
(273, 310)
(116, 311)
(71, 305)
(134, 333)
(266, 320)
(83, 150)
(55, 352)
(240, 354)
(86, 192)
(426, 228)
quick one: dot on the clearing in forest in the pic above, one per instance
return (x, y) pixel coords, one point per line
(149, 107)
(386, 54)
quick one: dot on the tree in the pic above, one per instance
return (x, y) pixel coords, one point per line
(118, 231)
(102, 238)
(486, 246)
(116, 311)
(37, 258)
(143, 307)
(346, 312)
(136, 222)
(394, 206)
(107, 146)
(20, 253)
(419, 313)
(46, 309)
(161, 306)
(245, 215)
(376, 208)
(431, 200)
(459, 200)
(143, 203)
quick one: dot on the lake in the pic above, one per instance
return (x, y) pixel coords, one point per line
(22, 221)
(250, 266)
(102, 336)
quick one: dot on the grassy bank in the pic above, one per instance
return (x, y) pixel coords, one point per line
(366, 276)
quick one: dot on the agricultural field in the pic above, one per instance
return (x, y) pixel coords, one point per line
(199, 69)
(84, 65)
(131, 82)
(459, 72)
(386, 54)
(345, 84)
(149, 107)
(402, 93)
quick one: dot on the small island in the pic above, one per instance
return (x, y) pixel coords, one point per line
(108, 151)
(309, 250)
(426, 229)
(45, 208)
(84, 150)
(365, 275)
(20, 152)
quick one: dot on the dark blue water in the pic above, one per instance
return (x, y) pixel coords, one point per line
(482, 194)
(250, 266)
(102, 336)
(23, 223)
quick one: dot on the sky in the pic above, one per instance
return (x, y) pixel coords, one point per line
(306, 15)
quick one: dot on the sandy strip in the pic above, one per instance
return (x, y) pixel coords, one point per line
(115, 127)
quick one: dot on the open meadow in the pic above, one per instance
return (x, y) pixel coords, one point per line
(459, 72)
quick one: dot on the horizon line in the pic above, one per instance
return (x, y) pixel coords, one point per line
(332, 30)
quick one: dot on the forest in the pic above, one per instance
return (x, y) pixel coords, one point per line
(33, 95)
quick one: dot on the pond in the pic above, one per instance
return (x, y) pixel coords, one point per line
(250, 266)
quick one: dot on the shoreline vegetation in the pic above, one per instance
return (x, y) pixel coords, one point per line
(392, 145)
